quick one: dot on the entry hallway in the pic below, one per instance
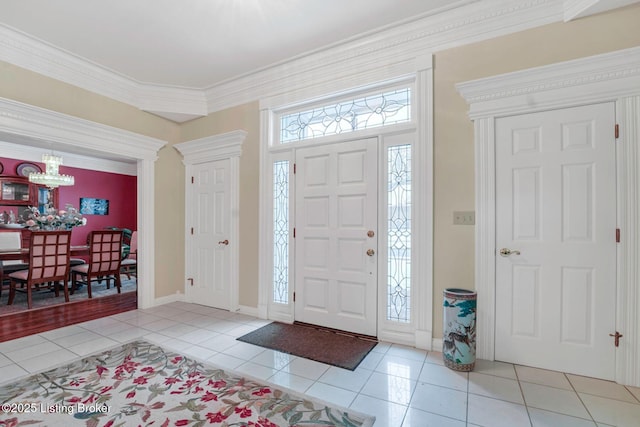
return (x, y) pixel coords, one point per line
(401, 386)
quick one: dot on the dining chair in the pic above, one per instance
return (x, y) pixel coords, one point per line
(10, 240)
(48, 263)
(105, 248)
(129, 265)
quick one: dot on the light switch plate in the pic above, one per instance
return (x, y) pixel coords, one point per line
(464, 217)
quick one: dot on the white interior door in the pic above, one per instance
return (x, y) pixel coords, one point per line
(210, 222)
(556, 206)
(336, 237)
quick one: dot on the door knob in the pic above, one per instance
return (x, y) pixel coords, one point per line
(371, 252)
(505, 252)
(223, 242)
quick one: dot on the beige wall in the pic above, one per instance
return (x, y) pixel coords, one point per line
(454, 164)
(32, 88)
(247, 118)
(454, 151)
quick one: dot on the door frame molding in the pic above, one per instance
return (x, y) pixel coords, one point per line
(610, 77)
(32, 126)
(226, 146)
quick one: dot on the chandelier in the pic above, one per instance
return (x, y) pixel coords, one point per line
(51, 178)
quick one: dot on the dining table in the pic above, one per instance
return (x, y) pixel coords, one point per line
(23, 255)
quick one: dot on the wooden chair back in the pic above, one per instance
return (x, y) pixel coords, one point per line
(49, 253)
(105, 252)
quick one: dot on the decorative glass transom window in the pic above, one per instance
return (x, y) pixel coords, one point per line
(380, 109)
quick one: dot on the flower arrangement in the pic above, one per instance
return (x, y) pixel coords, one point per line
(54, 219)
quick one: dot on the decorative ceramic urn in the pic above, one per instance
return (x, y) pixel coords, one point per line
(459, 336)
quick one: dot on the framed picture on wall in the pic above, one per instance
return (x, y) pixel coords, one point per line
(91, 206)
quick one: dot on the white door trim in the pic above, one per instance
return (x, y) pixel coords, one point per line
(217, 147)
(29, 125)
(613, 77)
(420, 332)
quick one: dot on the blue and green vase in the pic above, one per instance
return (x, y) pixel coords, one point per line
(459, 336)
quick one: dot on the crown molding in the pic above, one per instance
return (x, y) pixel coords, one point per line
(34, 154)
(211, 148)
(31, 125)
(25, 51)
(370, 58)
(574, 9)
(385, 54)
(608, 77)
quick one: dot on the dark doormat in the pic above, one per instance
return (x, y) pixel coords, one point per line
(329, 346)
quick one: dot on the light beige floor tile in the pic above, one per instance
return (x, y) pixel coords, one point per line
(601, 388)
(331, 394)
(543, 377)
(499, 369)
(540, 418)
(292, 382)
(613, 412)
(386, 413)
(495, 387)
(400, 367)
(440, 400)
(25, 353)
(554, 399)
(418, 418)
(273, 359)
(485, 411)
(344, 378)
(445, 377)
(306, 368)
(256, 371)
(390, 388)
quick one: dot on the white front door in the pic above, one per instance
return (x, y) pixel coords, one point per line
(556, 206)
(336, 236)
(209, 282)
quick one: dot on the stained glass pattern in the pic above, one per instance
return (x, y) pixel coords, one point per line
(381, 109)
(281, 232)
(399, 234)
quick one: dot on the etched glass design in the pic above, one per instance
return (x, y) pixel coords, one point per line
(371, 111)
(399, 233)
(281, 232)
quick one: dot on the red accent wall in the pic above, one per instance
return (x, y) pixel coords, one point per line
(120, 190)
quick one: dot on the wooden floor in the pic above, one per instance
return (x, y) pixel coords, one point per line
(34, 321)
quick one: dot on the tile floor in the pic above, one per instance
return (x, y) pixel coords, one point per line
(401, 386)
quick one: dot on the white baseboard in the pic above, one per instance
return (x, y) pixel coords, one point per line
(249, 311)
(168, 299)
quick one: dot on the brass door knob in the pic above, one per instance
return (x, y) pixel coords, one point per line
(505, 252)
(371, 252)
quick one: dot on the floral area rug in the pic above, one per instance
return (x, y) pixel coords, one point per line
(142, 384)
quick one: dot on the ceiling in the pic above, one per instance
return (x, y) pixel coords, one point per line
(185, 59)
(201, 43)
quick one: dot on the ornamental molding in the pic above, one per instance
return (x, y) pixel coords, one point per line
(24, 123)
(211, 148)
(366, 59)
(608, 76)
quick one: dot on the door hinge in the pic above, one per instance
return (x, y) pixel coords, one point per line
(192, 180)
(294, 168)
(294, 297)
(617, 131)
(192, 231)
(617, 235)
(294, 232)
(617, 337)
